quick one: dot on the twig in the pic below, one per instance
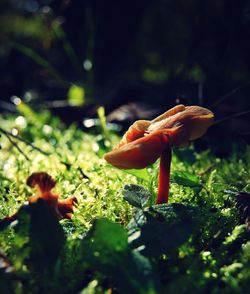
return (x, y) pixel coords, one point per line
(83, 174)
(17, 147)
(24, 141)
(9, 135)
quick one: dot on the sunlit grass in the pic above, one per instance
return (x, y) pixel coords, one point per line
(217, 251)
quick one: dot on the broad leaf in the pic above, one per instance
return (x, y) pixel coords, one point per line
(136, 195)
(186, 179)
(174, 212)
(139, 173)
(162, 229)
(108, 253)
(39, 224)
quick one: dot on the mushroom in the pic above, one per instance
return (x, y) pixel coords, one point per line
(146, 141)
(43, 183)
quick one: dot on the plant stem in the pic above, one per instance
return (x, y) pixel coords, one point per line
(9, 134)
(164, 175)
(16, 146)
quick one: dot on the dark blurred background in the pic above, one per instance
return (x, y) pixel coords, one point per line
(136, 58)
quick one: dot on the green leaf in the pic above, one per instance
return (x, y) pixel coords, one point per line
(38, 224)
(173, 212)
(76, 95)
(139, 173)
(237, 232)
(27, 111)
(162, 229)
(186, 179)
(106, 236)
(108, 253)
(136, 195)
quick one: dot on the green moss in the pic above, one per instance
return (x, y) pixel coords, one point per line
(215, 257)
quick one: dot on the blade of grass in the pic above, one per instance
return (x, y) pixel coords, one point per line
(16, 146)
(228, 95)
(103, 123)
(231, 117)
(9, 134)
(60, 35)
(38, 59)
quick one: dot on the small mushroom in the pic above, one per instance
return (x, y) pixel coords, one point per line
(43, 183)
(146, 141)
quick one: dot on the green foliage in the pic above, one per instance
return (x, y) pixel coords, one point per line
(45, 235)
(139, 174)
(136, 195)
(162, 229)
(118, 238)
(108, 252)
(187, 179)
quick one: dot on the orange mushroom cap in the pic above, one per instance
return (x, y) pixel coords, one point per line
(139, 153)
(145, 140)
(44, 183)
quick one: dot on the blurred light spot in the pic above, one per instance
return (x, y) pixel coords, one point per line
(16, 100)
(107, 143)
(45, 9)
(76, 95)
(7, 166)
(14, 223)
(47, 129)
(87, 64)
(30, 95)
(177, 100)
(141, 248)
(207, 274)
(95, 147)
(88, 123)
(93, 284)
(21, 122)
(14, 132)
(134, 236)
(123, 116)
(66, 184)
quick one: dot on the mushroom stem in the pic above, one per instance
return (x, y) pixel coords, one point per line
(164, 175)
